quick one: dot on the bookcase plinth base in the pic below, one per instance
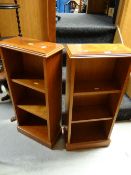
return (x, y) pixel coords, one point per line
(43, 141)
(85, 145)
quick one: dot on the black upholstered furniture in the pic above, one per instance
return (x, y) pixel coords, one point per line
(125, 109)
(85, 28)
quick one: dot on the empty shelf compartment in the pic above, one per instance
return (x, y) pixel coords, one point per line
(100, 75)
(24, 66)
(94, 107)
(36, 84)
(92, 131)
(31, 101)
(33, 126)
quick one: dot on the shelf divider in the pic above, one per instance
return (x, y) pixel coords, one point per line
(91, 113)
(35, 84)
(37, 132)
(38, 110)
(92, 88)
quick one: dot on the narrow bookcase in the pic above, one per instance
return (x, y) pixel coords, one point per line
(96, 81)
(34, 76)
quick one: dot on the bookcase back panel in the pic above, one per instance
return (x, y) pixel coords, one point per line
(23, 95)
(97, 73)
(102, 105)
(28, 119)
(23, 65)
(121, 70)
(90, 100)
(33, 66)
(92, 131)
(94, 69)
(13, 62)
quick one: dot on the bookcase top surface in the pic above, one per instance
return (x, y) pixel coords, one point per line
(97, 50)
(31, 46)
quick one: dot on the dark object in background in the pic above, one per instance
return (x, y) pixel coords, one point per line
(57, 18)
(116, 10)
(72, 5)
(97, 6)
(125, 109)
(4, 92)
(103, 7)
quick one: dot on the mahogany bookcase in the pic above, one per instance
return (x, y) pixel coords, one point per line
(96, 81)
(34, 76)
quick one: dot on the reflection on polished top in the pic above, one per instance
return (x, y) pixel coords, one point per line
(97, 50)
(32, 46)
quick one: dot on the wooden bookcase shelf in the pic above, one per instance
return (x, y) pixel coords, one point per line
(95, 85)
(34, 76)
(93, 131)
(90, 113)
(33, 126)
(39, 110)
(105, 87)
(35, 84)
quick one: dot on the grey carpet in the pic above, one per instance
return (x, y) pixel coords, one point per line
(84, 28)
(22, 156)
(125, 109)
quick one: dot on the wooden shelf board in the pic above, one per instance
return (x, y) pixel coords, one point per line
(38, 110)
(87, 132)
(84, 145)
(38, 133)
(85, 88)
(90, 113)
(35, 84)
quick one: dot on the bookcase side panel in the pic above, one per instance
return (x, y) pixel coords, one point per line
(53, 80)
(72, 77)
(11, 67)
(122, 71)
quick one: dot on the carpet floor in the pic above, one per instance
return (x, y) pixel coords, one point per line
(22, 156)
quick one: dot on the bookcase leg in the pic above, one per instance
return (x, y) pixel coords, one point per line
(13, 118)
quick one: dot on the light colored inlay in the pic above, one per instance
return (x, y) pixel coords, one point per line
(108, 52)
(96, 88)
(85, 51)
(31, 44)
(43, 47)
(36, 83)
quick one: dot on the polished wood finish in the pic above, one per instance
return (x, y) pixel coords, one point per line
(97, 50)
(41, 16)
(118, 37)
(8, 22)
(89, 144)
(39, 110)
(33, 71)
(96, 81)
(37, 20)
(32, 46)
(35, 84)
(97, 6)
(123, 21)
(38, 133)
